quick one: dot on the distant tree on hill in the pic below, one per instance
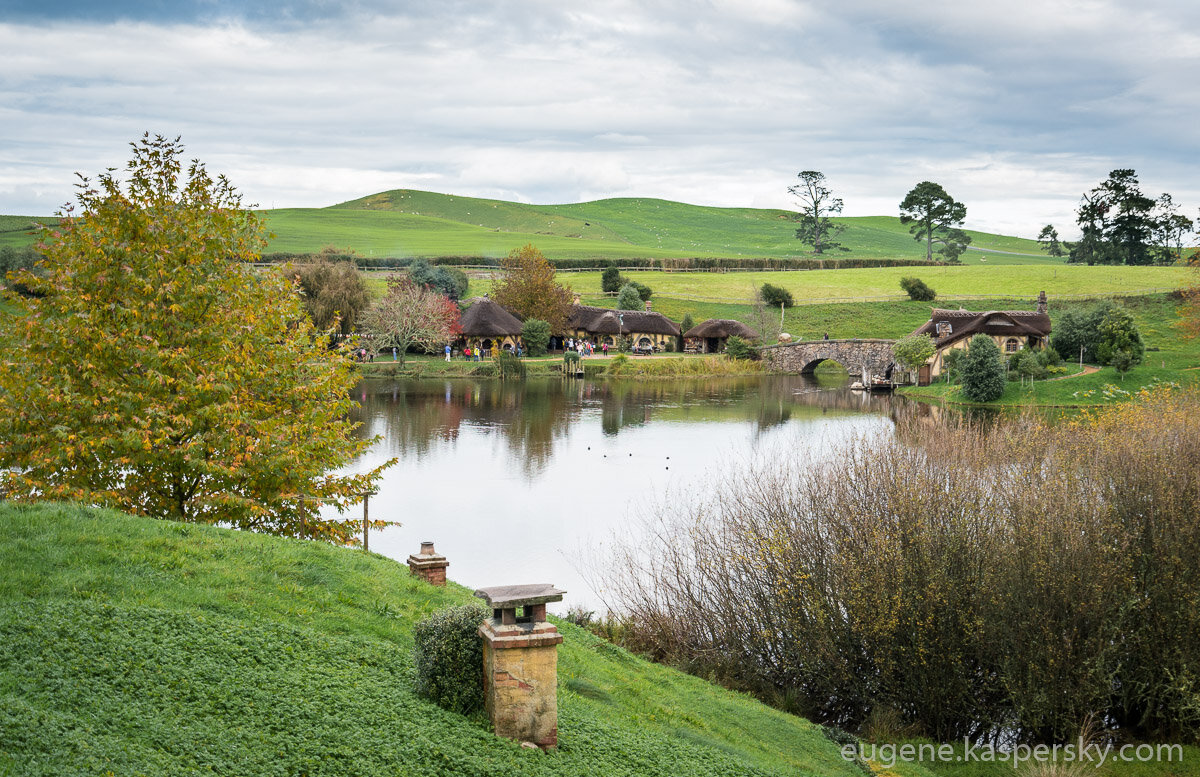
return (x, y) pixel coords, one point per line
(1170, 227)
(817, 204)
(528, 288)
(1048, 238)
(1117, 222)
(157, 374)
(935, 218)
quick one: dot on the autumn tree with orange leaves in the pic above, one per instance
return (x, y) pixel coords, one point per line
(529, 290)
(151, 370)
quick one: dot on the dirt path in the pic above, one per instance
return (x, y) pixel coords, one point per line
(1088, 369)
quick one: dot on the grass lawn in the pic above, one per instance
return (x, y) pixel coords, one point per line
(134, 646)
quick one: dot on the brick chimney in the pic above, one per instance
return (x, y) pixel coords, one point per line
(647, 306)
(520, 663)
(1042, 307)
(429, 565)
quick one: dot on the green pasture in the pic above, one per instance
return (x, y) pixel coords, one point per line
(647, 226)
(950, 282)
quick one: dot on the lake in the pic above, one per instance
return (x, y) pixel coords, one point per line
(524, 482)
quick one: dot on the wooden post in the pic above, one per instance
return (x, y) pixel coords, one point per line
(366, 522)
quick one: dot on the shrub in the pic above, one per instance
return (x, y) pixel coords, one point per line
(611, 280)
(1008, 578)
(618, 364)
(535, 334)
(448, 655)
(776, 296)
(571, 361)
(1117, 338)
(740, 348)
(982, 370)
(1049, 357)
(629, 298)
(918, 290)
(624, 344)
(510, 366)
(687, 323)
(643, 290)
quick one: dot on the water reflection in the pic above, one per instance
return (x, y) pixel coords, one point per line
(513, 479)
(415, 417)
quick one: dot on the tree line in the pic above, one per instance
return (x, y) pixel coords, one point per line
(1118, 223)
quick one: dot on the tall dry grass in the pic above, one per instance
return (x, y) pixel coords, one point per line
(988, 583)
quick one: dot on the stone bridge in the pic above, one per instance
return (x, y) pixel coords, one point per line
(865, 359)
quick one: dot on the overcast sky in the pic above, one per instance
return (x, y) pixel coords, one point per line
(1016, 108)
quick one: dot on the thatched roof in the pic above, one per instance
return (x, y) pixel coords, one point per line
(602, 321)
(486, 318)
(949, 326)
(722, 327)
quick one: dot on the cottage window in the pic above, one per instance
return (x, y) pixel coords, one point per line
(1011, 345)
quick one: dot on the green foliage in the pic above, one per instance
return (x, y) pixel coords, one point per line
(529, 289)
(158, 374)
(411, 316)
(450, 282)
(982, 372)
(448, 655)
(776, 295)
(1049, 357)
(611, 280)
(952, 364)
(1117, 336)
(14, 258)
(624, 344)
(629, 298)
(535, 334)
(1048, 239)
(817, 204)
(740, 348)
(1116, 222)
(935, 218)
(686, 322)
(914, 350)
(571, 360)
(510, 366)
(1012, 578)
(644, 291)
(335, 295)
(917, 290)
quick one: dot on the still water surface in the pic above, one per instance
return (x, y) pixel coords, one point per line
(526, 482)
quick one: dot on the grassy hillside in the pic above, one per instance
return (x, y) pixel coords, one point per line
(643, 227)
(133, 646)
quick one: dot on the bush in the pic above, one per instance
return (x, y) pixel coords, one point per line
(624, 344)
(776, 296)
(510, 366)
(629, 298)
(740, 348)
(982, 370)
(918, 290)
(611, 280)
(448, 654)
(643, 291)
(535, 334)
(1008, 578)
(1118, 341)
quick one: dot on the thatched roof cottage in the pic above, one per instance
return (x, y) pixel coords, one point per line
(645, 328)
(711, 336)
(486, 324)
(1011, 329)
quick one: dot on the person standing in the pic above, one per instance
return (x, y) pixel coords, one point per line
(447, 352)
(394, 353)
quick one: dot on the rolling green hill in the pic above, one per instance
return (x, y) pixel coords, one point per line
(135, 646)
(408, 222)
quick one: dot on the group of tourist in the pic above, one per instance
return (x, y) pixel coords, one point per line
(584, 347)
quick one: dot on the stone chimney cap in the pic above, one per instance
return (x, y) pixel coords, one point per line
(503, 597)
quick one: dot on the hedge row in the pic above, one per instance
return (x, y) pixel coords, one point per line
(633, 263)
